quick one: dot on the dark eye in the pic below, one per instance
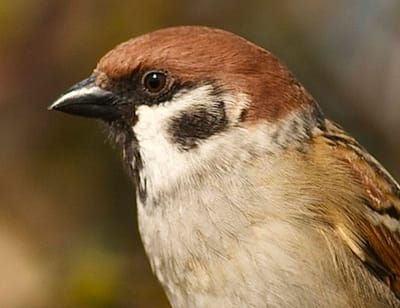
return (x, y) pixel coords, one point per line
(154, 81)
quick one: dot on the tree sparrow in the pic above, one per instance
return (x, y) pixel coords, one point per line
(247, 195)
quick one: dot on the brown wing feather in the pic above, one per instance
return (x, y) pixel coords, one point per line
(383, 246)
(377, 240)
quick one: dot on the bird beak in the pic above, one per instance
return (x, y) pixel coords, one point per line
(89, 100)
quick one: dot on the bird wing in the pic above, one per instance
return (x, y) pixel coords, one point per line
(375, 238)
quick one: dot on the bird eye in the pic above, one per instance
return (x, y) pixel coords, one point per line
(154, 81)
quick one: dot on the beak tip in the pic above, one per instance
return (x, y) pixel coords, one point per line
(53, 106)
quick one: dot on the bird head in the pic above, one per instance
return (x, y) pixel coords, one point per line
(185, 96)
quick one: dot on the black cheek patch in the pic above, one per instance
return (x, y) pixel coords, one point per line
(198, 123)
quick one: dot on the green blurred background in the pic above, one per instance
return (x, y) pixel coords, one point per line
(68, 234)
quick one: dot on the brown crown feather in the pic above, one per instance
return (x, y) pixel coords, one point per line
(195, 54)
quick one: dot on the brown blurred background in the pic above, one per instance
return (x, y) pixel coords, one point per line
(68, 234)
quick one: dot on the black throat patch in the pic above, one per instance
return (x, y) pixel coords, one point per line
(197, 123)
(120, 133)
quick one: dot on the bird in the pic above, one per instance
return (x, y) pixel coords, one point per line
(247, 194)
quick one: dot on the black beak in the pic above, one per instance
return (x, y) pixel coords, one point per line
(89, 100)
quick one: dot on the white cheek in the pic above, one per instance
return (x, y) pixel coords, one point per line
(163, 162)
(160, 156)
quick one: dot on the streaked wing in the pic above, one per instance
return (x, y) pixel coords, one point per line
(377, 240)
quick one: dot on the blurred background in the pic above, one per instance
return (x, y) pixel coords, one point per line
(68, 234)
